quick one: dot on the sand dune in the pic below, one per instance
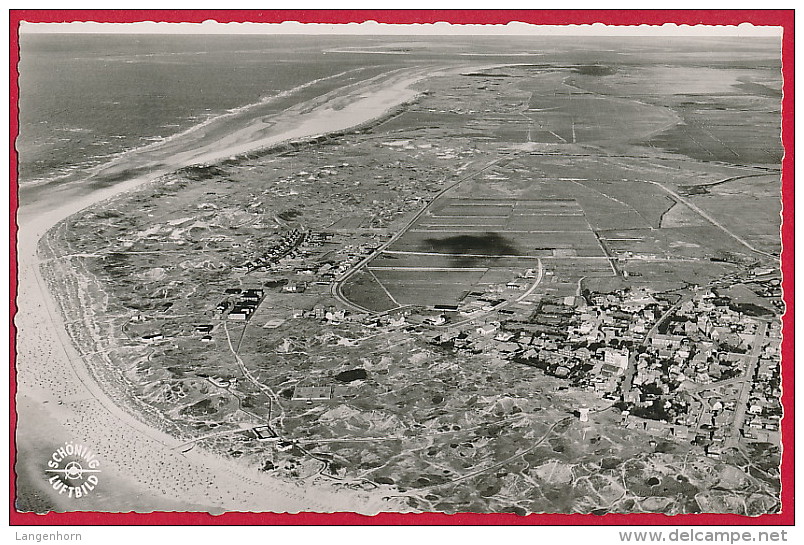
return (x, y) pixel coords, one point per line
(58, 398)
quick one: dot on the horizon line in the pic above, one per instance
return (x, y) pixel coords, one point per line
(513, 28)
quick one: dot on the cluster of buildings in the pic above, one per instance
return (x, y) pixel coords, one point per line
(588, 343)
(320, 311)
(289, 242)
(713, 369)
(311, 262)
(764, 410)
(692, 369)
(243, 303)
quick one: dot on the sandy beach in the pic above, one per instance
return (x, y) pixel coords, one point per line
(59, 399)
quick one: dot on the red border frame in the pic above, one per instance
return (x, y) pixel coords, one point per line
(783, 18)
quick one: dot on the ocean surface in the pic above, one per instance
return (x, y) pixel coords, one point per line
(84, 99)
(87, 99)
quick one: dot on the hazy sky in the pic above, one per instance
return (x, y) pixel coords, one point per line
(371, 27)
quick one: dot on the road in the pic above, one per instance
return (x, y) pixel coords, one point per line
(711, 220)
(262, 387)
(630, 371)
(745, 391)
(504, 304)
(718, 384)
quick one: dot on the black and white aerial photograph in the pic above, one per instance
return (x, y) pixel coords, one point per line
(286, 268)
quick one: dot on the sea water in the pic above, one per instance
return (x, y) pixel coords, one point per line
(85, 99)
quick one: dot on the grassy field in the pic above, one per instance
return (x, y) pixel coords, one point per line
(715, 103)
(428, 287)
(462, 245)
(757, 199)
(365, 291)
(587, 212)
(719, 135)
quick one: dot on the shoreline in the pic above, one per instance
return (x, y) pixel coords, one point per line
(53, 376)
(334, 114)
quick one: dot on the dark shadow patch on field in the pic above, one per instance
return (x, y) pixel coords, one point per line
(595, 70)
(485, 244)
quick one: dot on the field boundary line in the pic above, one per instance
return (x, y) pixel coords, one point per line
(388, 293)
(710, 219)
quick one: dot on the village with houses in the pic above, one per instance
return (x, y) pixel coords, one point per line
(697, 366)
(692, 366)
